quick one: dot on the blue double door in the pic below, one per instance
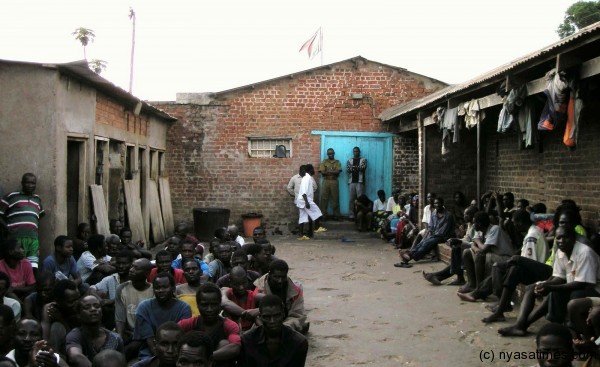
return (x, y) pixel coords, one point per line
(375, 147)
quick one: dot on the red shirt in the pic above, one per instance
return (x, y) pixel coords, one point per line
(178, 275)
(232, 331)
(250, 304)
(21, 276)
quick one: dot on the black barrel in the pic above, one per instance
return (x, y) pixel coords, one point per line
(207, 220)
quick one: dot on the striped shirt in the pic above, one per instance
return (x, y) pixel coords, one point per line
(21, 213)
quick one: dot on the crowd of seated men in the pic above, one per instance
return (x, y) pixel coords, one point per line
(506, 244)
(107, 301)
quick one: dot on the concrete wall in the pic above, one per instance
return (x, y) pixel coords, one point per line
(209, 164)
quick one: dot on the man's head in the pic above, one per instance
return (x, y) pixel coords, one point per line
(356, 152)
(310, 169)
(173, 245)
(27, 332)
(97, 245)
(182, 229)
(28, 183)
(109, 358)
(438, 204)
(539, 208)
(330, 154)
(234, 231)
(567, 218)
(521, 220)
(564, 238)
(90, 309)
(469, 213)
(83, 231)
(164, 287)
(115, 226)
(140, 269)
(268, 248)
(278, 271)
(63, 246)
(191, 271)
(459, 198)
(554, 345)
(257, 252)
(163, 261)
(238, 281)
(258, 233)
(508, 200)
(113, 243)
(166, 341)
(222, 234)
(381, 195)
(481, 221)
(66, 295)
(208, 299)
(522, 204)
(188, 250)
(301, 170)
(4, 284)
(224, 253)
(272, 314)
(240, 258)
(12, 249)
(44, 283)
(430, 198)
(123, 261)
(125, 235)
(195, 350)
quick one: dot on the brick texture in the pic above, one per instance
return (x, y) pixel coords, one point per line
(110, 112)
(208, 160)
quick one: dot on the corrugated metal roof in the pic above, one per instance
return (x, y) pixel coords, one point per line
(328, 66)
(396, 111)
(80, 70)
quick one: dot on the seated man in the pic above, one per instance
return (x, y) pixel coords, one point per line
(84, 342)
(31, 349)
(80, 244)
(221, 265)
(457, 247)
(224, 333)
(188, 250)
(195, 350)
(234, 233)
(94, 264)
(35, 302)
(187, 291)
(363, 212)
(239, 303)
(164, 259)
(273, 343)
(7, 329)
(574, 275)
(60, 316)
(554, 340)
(126, 236)
(152, 313)
(258, 233)
(129, 295)
(441, 228)
(240, 258)
(491, 244)
(62, 264)
(278, 282)
(167, 339)
(18, 268)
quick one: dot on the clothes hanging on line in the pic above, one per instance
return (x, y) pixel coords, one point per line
(510, 108)
(554, 113)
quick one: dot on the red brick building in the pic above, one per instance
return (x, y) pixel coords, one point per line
(222, 146)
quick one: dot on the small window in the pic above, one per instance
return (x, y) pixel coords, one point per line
(269, 147)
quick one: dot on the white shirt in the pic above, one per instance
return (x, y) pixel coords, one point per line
(378, 206)
(581, 267)
(426, 214)
(15, 305)
(535, 246)
(306, 188)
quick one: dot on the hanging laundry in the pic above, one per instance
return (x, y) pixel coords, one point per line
(574, 108)
(449, 125)
(557, 98)
(525, 118)
(471, 112)
(511, 107)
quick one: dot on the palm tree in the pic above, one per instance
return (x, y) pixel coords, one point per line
(85, 36)
(98, 65)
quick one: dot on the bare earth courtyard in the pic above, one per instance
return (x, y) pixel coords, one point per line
(364, 311)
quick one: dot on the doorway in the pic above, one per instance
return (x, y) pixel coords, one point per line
(75, 186)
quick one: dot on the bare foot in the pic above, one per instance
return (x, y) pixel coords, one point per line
(493, 318)
(512, 331)
(466, 297)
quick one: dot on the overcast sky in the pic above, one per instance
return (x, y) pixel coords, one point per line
(209, 46)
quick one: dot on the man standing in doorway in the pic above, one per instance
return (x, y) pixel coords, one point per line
(356, 168)
(330, 169)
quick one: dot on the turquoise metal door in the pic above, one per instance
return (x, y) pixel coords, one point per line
(375, 147)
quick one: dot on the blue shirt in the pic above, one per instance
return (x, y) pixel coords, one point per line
(176, 264)
(68, 269)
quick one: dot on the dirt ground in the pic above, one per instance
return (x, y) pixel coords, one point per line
(364, 311)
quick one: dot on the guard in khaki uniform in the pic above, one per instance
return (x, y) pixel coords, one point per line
(330, 169)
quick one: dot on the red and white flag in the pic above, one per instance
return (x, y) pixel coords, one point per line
(313, 45)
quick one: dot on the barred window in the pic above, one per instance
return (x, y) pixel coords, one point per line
(264, 147)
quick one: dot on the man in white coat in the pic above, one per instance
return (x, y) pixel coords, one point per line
(309, 211)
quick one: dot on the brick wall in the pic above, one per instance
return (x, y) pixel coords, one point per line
(208, 161)
(549, 176)
(406, 163)
(110, 112)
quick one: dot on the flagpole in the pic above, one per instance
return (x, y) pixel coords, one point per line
(321, 35)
